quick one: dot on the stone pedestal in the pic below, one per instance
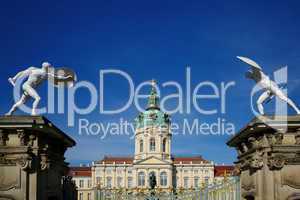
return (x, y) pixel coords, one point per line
(32, 159)
(269, 158)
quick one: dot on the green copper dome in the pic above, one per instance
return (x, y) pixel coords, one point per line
(153, 116)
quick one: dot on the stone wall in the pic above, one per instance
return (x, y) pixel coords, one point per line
(32, 159)
(269, 158)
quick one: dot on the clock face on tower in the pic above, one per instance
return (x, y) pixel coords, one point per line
(153, 116)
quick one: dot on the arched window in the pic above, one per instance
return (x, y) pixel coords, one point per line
(185, 182)
(163, 179)
(141, 146)
(129, 182)
(152, 144)
(164, 145)
(119, 181)
(108, 182)
(196, 182)
(206, 180)
(141, 179)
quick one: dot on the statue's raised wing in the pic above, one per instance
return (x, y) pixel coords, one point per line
(62, 76)
(250, 62)
(256, 69)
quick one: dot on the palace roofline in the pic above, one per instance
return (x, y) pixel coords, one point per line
(80, 171)
(221, 170)
(129, 160)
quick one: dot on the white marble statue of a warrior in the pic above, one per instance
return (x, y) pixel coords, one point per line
(270, 87)
(34, 77)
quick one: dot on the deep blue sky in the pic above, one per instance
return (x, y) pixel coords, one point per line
(151, 39)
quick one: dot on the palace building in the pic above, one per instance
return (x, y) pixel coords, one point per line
(152, 155)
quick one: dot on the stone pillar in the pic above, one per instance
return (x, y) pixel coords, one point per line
(159, 145)
(32, 161)
(181, 176)
(114, 176)
(169, 141)
(125, 177)
(170, 177)
(269, 158)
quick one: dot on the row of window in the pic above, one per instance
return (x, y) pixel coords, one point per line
(82, 185)
(196, 181)
(152, 145)
(196, 171)
(129, 171)
(119, 171)
(142, 180)
(119, 182)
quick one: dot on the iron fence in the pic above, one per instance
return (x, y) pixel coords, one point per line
(225, 190)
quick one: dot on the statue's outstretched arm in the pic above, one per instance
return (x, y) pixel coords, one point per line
(18, 75)
(22, 74)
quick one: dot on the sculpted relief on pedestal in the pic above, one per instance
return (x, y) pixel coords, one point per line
(290, 176)
(10, 175)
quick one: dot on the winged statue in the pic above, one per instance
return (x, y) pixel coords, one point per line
(269, 86)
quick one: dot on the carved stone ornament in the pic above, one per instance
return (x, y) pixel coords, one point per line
(25, 162)
(5, 161)
(297, 138)
(257, 161)
(271, 139)
(3, 138)
(31, 140)
(22, 136)
(245, 148)
(263, 141)
(279, 138)
(276, 161)
(45, 164)
(245, 164)
(254, 142)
